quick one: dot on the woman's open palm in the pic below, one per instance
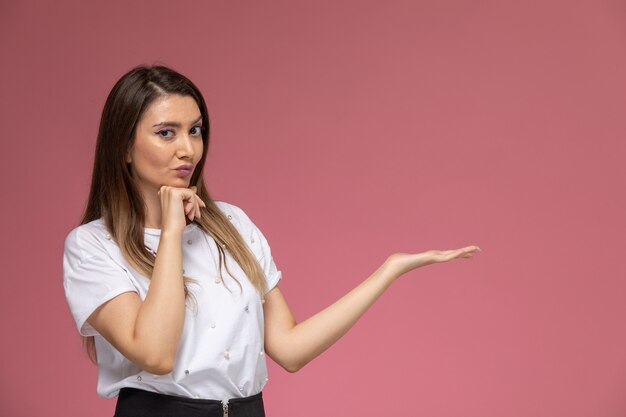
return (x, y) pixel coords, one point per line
(401, 263)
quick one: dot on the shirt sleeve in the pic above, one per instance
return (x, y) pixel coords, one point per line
(272, 274)
(90, 277)
(257, 243)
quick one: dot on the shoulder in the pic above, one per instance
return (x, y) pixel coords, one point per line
(229, 208)
(234, 212)
(87, 238)
(246, 227)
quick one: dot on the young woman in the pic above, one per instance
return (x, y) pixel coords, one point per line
(175, 293)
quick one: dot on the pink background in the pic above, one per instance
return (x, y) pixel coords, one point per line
(349, 130)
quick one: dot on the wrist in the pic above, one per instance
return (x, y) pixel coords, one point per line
(389, 272)
(172, 236)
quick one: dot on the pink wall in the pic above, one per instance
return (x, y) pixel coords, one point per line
(349, 130)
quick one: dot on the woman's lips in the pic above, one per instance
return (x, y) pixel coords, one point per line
(183, 171)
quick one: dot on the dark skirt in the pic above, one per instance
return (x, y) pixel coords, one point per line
(133, 402)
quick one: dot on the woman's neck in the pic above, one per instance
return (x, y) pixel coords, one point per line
(152, 204)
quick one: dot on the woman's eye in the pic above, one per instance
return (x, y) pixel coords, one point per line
(196, 130)
(164, 133)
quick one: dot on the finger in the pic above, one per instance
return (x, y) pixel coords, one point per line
(469, 251)
(194, 204)
(202, 203)
(189, 198)
(459, 253)
(193, 210)
(188, 207)
(454, 254)
(188, 202)
(190, 210)
(199, 203)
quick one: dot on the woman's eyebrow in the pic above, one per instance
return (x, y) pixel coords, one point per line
(176, 124)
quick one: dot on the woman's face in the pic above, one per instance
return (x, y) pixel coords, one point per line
(167, 144)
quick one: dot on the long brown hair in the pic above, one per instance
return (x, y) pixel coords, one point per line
(114, 195)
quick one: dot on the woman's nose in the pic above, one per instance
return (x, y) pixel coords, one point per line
(185, 147)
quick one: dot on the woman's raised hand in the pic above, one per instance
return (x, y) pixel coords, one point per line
(293, 345)
(401, 263)
(178, 203)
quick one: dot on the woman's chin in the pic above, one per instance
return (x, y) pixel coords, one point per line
(181, 182)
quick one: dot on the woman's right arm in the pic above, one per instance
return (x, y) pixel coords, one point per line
(148, 332)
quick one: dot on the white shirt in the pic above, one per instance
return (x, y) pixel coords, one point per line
(221, 354)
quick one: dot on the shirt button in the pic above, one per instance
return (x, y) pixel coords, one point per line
(186, 371)
(241, 389)
(213, 325)
(263, 301)
(261, 353)
(107, 236)
(246, 309)
(266, 379)
(197, 396)
(226, 354)
(189, 242)
(217, 280)
(230, 217)
(252, 240)
(138, 377)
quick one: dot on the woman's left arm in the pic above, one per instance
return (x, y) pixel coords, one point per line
(292, 345)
